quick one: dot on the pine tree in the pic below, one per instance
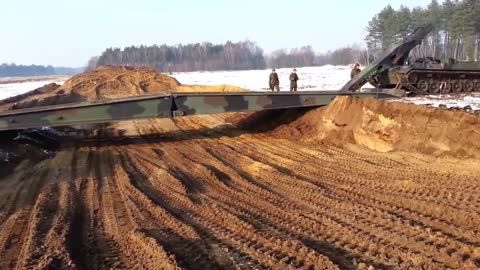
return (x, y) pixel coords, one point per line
(463, 30)
(403, 23)
(387, 21)
(456, 30)
(448, 9)
(434, 17)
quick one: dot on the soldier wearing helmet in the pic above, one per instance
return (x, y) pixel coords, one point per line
(273, 81)
(293, 80)
(355, 71)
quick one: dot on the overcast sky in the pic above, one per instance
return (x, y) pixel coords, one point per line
(68, 32)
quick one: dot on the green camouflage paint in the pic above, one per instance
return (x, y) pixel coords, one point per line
(169, 105)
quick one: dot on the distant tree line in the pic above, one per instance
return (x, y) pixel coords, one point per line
(229, 56)
(456, 31)
(190, 57)
(343, 56)
(305, 57)
(13, 70)
(302, 57)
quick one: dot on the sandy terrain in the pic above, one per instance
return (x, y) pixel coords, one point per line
(354, 185)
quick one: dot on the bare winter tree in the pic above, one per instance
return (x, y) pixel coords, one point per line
(92, 63)
(190, 57)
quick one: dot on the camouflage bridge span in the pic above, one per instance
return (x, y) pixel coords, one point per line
(171, 105)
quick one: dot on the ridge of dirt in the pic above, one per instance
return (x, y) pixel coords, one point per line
(388, 126)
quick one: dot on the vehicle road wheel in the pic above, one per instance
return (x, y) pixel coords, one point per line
(476, 85)
(468, 85)
(422, 85)
(457, 86)
(413, 78)
(445, 87)
(434, 87)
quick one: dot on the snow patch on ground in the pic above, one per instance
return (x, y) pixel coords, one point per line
(449, 101)
(13, 89)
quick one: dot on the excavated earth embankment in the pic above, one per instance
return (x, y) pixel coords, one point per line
(389, 126)
(355, 185)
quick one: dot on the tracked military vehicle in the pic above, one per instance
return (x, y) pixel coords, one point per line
(428, 75)
(424, 75)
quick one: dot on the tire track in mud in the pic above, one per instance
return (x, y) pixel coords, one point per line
(178, 156)
(84, 240)
(14, 231)
(224, 230)
(110, 207)
(317, 164)
(171, 241)
(185, 158)
(294, 208)
(345, 199)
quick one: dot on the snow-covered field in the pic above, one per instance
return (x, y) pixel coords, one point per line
(13, 89)
(311, 78)
(450, 101)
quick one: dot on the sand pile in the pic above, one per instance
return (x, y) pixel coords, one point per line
(107, 82)
(388, 126)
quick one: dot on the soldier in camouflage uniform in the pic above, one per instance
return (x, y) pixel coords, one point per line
(355, 71)
(273, 81)
(293, 80)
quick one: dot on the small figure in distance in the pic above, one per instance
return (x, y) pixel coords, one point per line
(273, 81)
(355, 71)
(293, 80)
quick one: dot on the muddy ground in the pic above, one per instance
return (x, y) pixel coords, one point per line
(355, 185)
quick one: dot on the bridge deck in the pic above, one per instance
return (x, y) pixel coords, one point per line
(170, 105)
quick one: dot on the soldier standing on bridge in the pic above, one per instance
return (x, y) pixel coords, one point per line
(355, 71)
(273, 81)
(293, 80)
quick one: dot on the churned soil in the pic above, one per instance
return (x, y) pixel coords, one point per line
(359, 184)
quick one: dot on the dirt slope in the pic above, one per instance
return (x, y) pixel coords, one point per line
(107, 82)
(389, 126)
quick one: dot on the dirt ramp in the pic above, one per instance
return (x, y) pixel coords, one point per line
(388, 126)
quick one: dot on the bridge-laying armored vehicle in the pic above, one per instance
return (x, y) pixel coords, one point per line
(428, 75)
(424, 75)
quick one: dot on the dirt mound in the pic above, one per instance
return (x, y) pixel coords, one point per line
(388, 126)
(107, 82)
